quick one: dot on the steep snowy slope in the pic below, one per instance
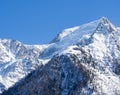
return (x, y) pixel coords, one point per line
(16, 61)
(83, 60)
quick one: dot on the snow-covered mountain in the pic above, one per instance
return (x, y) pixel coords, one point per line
(83, 60)
(16, 61)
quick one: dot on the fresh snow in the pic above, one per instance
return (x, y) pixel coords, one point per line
(100, 38)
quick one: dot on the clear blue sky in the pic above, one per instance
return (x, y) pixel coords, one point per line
(39, 21)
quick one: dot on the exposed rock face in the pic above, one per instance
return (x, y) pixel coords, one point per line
(64, 74)
(83, 60)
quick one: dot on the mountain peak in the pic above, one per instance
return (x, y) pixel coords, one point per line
(104, 23)
(81, 60)
(104, 20)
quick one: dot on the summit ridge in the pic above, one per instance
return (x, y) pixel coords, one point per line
(83, 60)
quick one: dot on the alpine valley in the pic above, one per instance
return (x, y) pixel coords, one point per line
(83, 60)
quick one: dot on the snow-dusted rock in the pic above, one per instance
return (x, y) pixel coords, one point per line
(83, 60)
